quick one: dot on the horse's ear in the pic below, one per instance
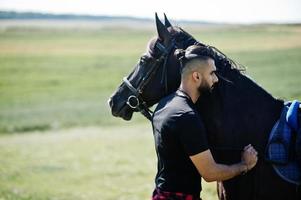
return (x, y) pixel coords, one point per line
(162, 30)
(167, 23)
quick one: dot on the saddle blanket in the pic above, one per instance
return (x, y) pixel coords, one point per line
(283, 149)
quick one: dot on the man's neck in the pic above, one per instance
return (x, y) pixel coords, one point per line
(193, 93)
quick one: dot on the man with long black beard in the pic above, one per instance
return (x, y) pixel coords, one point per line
(180, 136)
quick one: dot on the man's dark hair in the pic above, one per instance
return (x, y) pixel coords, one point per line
(192, 57)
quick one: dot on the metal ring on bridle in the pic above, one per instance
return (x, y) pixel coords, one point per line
(133, 99)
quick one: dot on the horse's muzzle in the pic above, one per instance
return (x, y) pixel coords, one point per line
(120, 110)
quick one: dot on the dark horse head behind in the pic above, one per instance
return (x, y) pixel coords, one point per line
(236, 113)
(156, 74)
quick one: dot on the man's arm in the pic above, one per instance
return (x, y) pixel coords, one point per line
(212, 171)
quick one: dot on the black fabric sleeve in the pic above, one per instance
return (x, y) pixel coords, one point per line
(192, 134)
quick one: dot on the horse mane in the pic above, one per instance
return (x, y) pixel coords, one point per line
(179, 33)
(228, 62)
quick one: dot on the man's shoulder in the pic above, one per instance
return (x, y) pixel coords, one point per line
(173, 108)
(176, 101)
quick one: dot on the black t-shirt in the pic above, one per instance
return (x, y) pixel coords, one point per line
(179, 133)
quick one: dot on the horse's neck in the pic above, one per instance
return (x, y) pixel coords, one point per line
(239, 114)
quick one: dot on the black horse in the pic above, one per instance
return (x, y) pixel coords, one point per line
(236, 113)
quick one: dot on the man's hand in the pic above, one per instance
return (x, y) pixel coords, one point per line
(212, 171)
(249, 157)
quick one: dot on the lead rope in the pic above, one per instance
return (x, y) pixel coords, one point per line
(146, 112)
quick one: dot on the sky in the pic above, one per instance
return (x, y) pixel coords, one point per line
(229, 11)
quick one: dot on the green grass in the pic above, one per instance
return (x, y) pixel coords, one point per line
(62, 79)
(57, 78)
(86, 163)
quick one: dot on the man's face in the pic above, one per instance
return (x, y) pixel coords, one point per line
(209, 78)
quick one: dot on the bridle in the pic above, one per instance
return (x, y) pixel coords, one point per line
(135, 101)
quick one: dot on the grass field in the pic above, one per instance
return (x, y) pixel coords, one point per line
(54, 84)
(84, 163)
(56, 78)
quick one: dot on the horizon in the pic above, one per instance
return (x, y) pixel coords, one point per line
(215, 11)
(60, 16)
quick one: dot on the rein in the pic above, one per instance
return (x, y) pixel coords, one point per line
(135, 101)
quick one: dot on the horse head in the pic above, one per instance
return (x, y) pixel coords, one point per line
(151, 79)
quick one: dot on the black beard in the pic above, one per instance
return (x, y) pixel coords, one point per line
(205, 89)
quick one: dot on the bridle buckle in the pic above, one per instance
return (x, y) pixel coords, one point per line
(133, 102)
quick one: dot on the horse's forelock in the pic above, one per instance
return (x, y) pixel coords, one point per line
(150, 48)
(175, 32)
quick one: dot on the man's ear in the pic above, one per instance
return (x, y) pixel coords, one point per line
(196, 76)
